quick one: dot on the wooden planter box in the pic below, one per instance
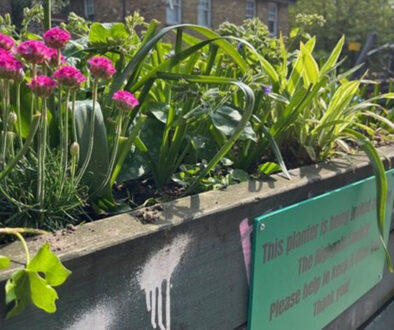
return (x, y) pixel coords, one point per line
(191, 257)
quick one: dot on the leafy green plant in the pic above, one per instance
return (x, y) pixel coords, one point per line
(35, 283)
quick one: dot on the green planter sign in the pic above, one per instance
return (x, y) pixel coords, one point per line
(312, 260)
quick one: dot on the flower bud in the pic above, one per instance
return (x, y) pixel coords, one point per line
(74, 149)
(12, 118)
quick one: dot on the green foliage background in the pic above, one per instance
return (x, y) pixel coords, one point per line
(353, 18)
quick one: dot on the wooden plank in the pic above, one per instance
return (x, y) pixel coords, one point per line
(113, 260)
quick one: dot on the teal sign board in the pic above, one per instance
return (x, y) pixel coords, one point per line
(312, 260)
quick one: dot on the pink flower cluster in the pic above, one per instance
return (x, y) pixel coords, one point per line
(101, 67)
(56, 38)
(69, 77)
(10, 67)
(6, 42)
(42, 86)
(33, 51)
(52, 57)
(125, 100)
(37, 52)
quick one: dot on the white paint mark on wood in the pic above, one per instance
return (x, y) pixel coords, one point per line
(100, 317)
(158, 271)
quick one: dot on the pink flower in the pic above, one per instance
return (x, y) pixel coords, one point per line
(101, 67)
(56, 38)
(33, 51)
(125, 100)
(6, 42)
(10, 67)
(42, 86)
(52, 55)
(69, 77)
(4, 52)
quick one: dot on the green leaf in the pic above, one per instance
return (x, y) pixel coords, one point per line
(278, 154)
(42, 294)
(150, 44)
(333, 59)
(18, 292)
(4, 262)
(298, 67)
(98, 33)
(268, 168)
(118, 31)
(29, 140)
(49, 264)
(294, 32)
(239, 175)
(99, 161)
(125, 148)
(159, 110)
(381, 186)
(311, 69)
(27, 286)
(226, 120)
(269, 69)
(249, 106)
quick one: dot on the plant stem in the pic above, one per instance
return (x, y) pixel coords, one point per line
(47, 14)
(65, 143)
(22, 230)
(114, 154)
(74, 127)
(20, 237)
(5, 123)
(60, 118)
(18, 233)
(21, 152)
(11, 148)
(66, 130)
(18, 113)
(59, 57)
(91, 133)
(41, 155)
(74, 162)
(33, 97)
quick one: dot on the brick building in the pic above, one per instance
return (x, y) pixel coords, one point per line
(210, 13)
(5, 6)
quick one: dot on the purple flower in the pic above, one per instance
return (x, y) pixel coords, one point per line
(240, 47)
(267, 89)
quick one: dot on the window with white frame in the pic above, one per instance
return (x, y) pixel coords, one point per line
(89, 8)
(250, 8)
(204, 12)
(273, 18)
(173, 12)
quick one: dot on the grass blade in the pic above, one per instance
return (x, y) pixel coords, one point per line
(381, 186)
